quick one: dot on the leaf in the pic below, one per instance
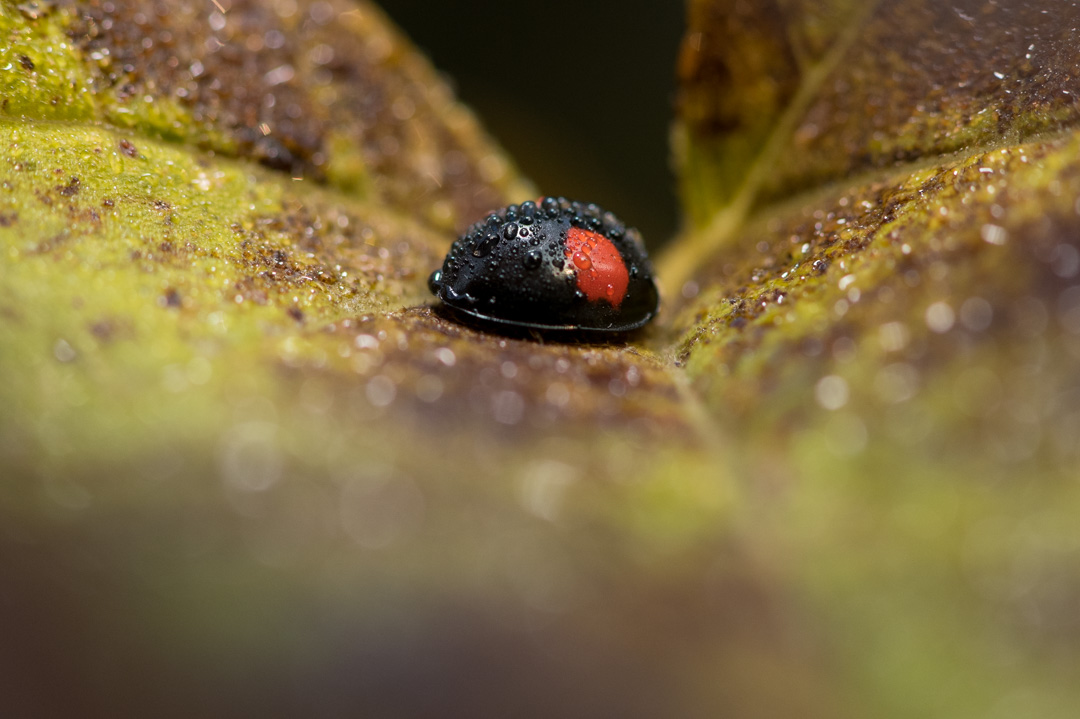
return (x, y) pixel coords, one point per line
(248, 467)
(896, 349)
(252, 457)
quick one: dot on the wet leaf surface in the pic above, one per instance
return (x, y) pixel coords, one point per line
(250, 469)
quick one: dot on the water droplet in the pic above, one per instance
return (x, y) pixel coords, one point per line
(976, 314)
(557, 394)
(486, 245)
(429, 388)
(381, 390)
(532, 259)
(510, 231)
(893, 336)
(994, 234)
(940, 317)
(581, 261)
(543, 485)
(897, 382)
(1066, 261)
(832, 392)
(366, 342)
(250, 457)
(434, 281)
(508, 407)
(446, 356)
(461, 297)
(63, 351)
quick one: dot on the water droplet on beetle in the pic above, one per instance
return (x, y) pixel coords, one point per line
(486, 245)
(581, 261)
(459, 297)
(532, 259)
(510, 231)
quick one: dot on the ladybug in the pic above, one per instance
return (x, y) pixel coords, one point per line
(553, 266)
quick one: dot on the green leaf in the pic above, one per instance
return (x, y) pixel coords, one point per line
(884, 312)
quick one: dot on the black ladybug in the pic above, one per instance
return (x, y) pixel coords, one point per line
(553, 266)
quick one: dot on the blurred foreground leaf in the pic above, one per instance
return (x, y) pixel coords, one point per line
(247, 469)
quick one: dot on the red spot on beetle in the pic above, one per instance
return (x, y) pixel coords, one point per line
(599, 268)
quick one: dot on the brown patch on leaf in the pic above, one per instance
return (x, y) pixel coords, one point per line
(909, 273)
(111, 328)
(926, 78)
(280, 83)
(127, 147)
(171, 298)
(908, 81)
(71, 188)
(444, 373)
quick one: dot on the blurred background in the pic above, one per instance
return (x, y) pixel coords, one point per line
(579, 92)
